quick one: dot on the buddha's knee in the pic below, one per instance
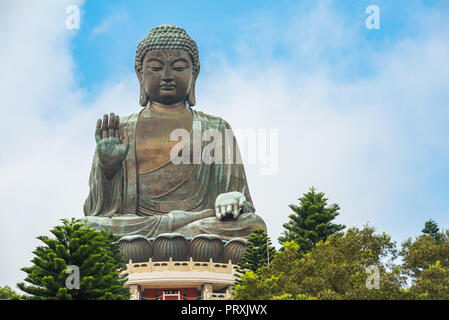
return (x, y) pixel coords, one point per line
(253, 220)
(241, 227)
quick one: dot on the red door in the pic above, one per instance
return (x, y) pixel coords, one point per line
(171, 294)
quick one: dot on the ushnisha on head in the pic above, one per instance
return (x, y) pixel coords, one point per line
(167, 66)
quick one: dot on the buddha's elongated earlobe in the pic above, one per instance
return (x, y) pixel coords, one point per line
(143, 98)
(191, 96)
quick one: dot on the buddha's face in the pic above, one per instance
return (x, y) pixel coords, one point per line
(167, 75)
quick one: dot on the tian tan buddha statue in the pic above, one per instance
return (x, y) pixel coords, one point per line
(135, 186)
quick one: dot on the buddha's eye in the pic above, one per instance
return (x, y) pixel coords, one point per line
(154, 66)
(179, 66)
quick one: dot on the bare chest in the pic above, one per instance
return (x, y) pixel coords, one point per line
(153, 145)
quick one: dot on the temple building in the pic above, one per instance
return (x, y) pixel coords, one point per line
(172, 267)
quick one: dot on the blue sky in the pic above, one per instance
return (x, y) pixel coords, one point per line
(217, 26)
(266, 27)
(362, 114)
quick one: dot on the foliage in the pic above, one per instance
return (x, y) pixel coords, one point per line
(7, 293)
(311, 221)
(423, 252)
(253, 286)
(426, 262)
(334, 269)
(95, 253)
(433, 284)
(258, 252)
(318, 262)
(257, 255)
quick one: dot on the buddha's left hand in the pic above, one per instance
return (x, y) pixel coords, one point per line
(229, 204)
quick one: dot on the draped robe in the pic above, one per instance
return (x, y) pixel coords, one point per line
(174, 197)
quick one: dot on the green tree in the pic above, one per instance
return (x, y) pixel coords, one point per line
(6, 293)
(95, 253)
(258, 252)
(311, 221)
(258, 255)
(341, 268)
(421, 253)
(269, 281)
(433, 283)
(426, 263)
(333, 269)
(431, 229)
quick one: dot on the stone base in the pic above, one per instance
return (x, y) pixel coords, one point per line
(176, 247)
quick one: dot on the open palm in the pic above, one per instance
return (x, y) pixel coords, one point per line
(112, 145)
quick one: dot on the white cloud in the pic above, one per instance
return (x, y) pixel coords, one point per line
(107, 24)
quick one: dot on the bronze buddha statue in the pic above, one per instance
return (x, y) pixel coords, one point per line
(135, 187)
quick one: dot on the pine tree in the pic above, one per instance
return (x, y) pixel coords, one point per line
(431, 228)
(258, 253)
(95, 253)
(311, 222)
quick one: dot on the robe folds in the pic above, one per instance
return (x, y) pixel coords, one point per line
(174, 197)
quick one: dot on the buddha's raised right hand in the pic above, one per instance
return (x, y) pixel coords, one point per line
(112, 146)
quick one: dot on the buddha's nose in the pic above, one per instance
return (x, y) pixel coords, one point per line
(168, 75)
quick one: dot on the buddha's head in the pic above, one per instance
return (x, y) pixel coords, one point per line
(167, 66)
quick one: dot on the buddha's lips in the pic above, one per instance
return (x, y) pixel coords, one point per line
(168, 86)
